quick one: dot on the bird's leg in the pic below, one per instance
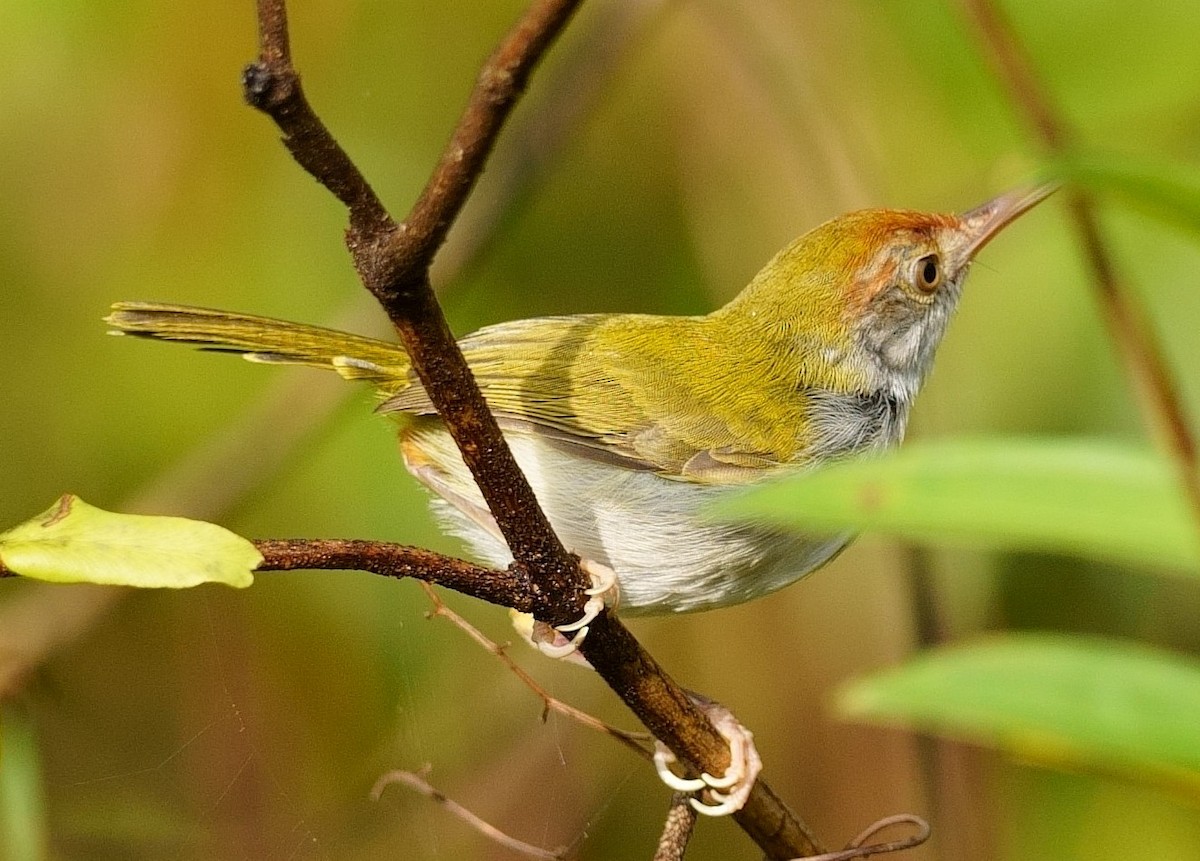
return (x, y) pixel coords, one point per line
(729, 791)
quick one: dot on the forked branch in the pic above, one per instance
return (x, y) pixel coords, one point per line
(393, 262)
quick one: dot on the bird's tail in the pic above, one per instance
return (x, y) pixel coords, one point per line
(262, 339)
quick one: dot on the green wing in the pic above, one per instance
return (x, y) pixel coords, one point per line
(676, 395)
(646, 392)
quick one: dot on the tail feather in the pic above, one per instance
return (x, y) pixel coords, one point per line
(262, 339)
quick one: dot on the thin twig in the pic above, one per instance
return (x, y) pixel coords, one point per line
(856, 849)
(497, 586)
(500, 83)
(654, 696)
(273, 86)
(632, 740)
(1143, 357)
(417, 781)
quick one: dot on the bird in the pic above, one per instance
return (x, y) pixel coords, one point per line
(629, 427)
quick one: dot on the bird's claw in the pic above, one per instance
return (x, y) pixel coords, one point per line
(739, 777)
(602, 593)
(561, 647)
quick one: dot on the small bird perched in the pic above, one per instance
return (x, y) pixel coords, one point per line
(629, 425)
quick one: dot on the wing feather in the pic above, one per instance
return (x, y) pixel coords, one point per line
(583, 383)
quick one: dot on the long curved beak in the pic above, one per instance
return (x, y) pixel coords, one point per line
(980, 224)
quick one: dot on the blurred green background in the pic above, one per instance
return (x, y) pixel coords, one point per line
(663, 154)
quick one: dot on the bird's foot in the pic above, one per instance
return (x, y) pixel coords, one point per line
(728, 791)
(603, 593)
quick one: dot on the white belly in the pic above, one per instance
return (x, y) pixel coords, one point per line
(648, 529)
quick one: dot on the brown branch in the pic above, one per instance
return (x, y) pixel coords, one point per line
(417, 781)
(392, 261)
(500, 83)
(669, 713)
(43, 618)
(652, 695)
(505, 587)
(1142, 355)
(855, 848)
(273, 86)
(661, 704)
(632, 740)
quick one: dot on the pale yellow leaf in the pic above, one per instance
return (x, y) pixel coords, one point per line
(74, 542)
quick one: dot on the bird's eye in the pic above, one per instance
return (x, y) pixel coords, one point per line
(929, 273)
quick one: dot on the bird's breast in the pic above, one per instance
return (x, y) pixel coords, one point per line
(842, 424)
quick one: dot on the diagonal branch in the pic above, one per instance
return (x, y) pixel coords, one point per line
(644, 686)
(393, 262)
(631, 740)
(497, 89)
(416, 780)
(1143, 357)
(273, 86)
(44, 618)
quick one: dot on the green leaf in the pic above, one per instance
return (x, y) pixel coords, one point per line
(1170, 192)
(1064, 701)
(1087, 497)
(76, 543)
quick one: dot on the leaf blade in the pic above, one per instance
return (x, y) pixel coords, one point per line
(1056, 700)
(1091, 498)
(74, 542)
